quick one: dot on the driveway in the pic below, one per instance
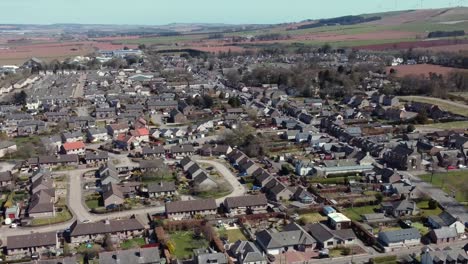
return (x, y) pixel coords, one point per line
(447, 202)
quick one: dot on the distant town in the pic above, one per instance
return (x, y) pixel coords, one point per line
(321, 155)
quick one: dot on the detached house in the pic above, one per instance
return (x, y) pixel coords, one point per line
(328, 238)
(292, 237)
(400, 238)
(74, 148)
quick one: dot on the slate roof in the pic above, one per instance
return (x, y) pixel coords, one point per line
(291, 235)
(140, 255)
(161, 187)
(192, 205)
(32, 240)
(246, 201)
(445, 232)
(396, 236)
(247, 251)
(113, 226)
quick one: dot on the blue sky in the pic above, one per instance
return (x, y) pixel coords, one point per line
(158, 12)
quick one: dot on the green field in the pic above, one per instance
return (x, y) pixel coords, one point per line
(454, 181)
(355, 213)
(185, 243)
(444, 104)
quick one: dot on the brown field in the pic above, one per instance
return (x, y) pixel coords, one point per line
(422, 69)
(218, 49)
(414, 44)
(17, 54)
(330, 37)
(449, 48)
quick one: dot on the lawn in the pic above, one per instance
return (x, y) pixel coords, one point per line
(92, 204)
(444, 104)
(421, 228)
(425, 211)
(454, 181)
(332, 180)
(354, 213)
(312, 218)
(232, 234)
(133, 243)
(185, 243)
(60, 217)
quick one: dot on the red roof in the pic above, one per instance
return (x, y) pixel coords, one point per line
(73, 145)
(140, 132)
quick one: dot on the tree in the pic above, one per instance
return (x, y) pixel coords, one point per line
(379, 197)
(20, 98)
(285, 169)
(171, 246)
(410, 128)
(432, 204)
(234, 101)
(108, 244)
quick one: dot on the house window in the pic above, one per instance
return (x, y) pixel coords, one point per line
(330, 243)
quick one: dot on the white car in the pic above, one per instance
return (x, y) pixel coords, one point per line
(14, 225)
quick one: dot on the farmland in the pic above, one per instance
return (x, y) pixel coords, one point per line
(451, 182)
(422, 69)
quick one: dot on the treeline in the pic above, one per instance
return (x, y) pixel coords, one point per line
(272, 36)
(344, 20)
(445, 34)
(436, 85)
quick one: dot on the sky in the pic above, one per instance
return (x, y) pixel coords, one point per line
(161, 12)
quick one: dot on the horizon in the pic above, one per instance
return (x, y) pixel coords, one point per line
(106, 12)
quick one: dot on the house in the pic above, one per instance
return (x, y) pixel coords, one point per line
(400, 237)
(403, 158)
(186, 163)
(153, 152)
(446, 255)
(203, 182)
(31, 243)
(97, 134)
(156, 164)
(124, 141)
(41, 204)
(27, 128)
(445, 219)
(338, 221)
(292, 237)
(303, 196)
(96, 158)
(182, 150)
(118, 229)
(112, 195)
(109, 174)
(161, 189)
(443, 235)
(12, 212)
(81, 122)
(209, 256)
(150, 255)
(72, 136)
(6, 179)
(140, 134)
(246, 252)
(400, 208)
(115, 129)
(7, 147)
(161, 105)
(187, 209)
(77, 147)
(278, 191)
(105, 113)
(175, 116)
(328, 238)
(249, 204)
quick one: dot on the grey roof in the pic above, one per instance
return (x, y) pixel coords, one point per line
(395, 236)
(6, 144)
(161, 187)
(208, 257)
(152, 164)
(192, 205)
(140, 255)
(246, 251)
(6, 176)
(32, 240)
(291, 235)
(444, 256)
(445, 232)
(112, 189)
(112, 226)
(246, 201)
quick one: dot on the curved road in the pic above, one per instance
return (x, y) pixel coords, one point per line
(80, 212)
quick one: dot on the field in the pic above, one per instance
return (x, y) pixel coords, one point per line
(422, 69)
(451, 182)
(449, 106)
(445, 126)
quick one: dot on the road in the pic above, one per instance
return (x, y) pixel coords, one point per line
(238, 189)
(447, 202)
(79, 89)
(80, 212)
